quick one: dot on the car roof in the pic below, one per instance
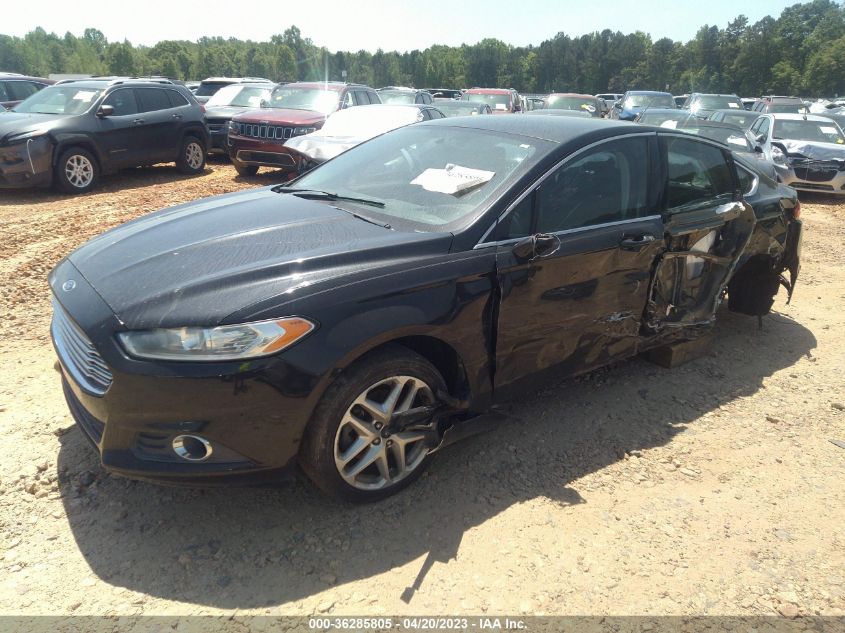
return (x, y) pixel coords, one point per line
(737, 111)
(550, 128)
(578, 95)
(714, 94)
(648, 92)
(336, 86)
(488, 91)
(790, 116)
(13, 76)
(100, 83)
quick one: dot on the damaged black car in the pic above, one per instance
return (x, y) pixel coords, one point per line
(359, 318)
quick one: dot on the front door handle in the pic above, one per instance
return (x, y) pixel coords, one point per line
(177, 116)
(636, 242)
(138, 121)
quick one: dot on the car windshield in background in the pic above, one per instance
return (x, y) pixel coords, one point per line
(718, 103)
(66, 99)
(497, 102)
(208, 88)
(570, 103)
(739, 118)
(650, 101)
(397, 96)
(239, 95)
(735, 139)
(813, 131)
(787, 108)
(459, 108)
(324, 101)
(429, 177)
(660, 117)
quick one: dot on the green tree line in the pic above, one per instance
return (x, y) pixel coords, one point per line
(800, 52)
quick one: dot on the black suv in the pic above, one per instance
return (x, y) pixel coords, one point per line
(70, 133)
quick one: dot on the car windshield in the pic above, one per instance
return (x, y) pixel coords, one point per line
(63, 99)
(570, 103)
(240, 95)
(813, 131)
(497, 102)
(787, 108)
(659, 118)
(735, 139)
(325, 101)
(208, 88)
(650, 101)
(397, 96)
(429, 177)
(716, 102)
(739, 118)
(458, 108)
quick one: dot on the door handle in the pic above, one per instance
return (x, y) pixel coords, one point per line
(138, 121)
(636, 242)
(177, 116)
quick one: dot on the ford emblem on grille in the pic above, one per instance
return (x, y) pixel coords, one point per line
(69, 285)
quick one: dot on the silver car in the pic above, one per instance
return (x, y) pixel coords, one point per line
(808, 150)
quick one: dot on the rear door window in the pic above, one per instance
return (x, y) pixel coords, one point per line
(123, 101)
(176, 100)
(4, 92)
(699, 174)
(152, 99)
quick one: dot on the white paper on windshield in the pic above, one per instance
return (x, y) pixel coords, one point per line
(733, 105)
(501, 106)
(826, 129)
(255, 101)
(84, 95)
(452, 180)
(670, 124)
(737, 140)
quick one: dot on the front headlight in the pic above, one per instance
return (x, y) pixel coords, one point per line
(234, 128)
(226, 342)
(778, 156)
(300, 131)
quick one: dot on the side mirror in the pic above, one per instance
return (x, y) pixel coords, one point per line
(104, 111)
(758, 149)
(264, 103)
(617, 105)
(762, 138)
(517, 108)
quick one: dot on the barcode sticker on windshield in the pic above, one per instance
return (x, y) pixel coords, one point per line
(733, 105)
(84, 95)
(453, 179)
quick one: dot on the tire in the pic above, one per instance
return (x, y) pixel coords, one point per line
(342, 431)
(192, 156)
(76, 171)
(243, 169)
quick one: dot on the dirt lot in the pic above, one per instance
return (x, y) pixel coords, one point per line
(712, 488)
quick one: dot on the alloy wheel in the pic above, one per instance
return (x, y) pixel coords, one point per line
(193, 155)
(369, 455)
(79, 171)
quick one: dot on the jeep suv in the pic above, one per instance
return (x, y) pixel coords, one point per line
(779, 105)
(230, 101)
(257, 138)
(14, 88)
(71, 133)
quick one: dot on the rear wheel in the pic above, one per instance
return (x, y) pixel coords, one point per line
(192, 156)
(243, 169)
(76, 171)
(350, 449)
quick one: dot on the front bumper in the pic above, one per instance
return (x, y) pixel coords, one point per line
(813, 177)
(27, 164)
(252, 414)
(262, 153)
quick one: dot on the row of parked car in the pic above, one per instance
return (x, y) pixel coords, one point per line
(71, 132)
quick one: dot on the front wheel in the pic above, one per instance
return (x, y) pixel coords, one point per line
(192, 156)
(76, 171)
(351, 449)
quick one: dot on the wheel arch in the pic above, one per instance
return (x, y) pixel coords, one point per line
(62, 144)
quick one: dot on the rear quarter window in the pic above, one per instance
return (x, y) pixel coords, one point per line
(176, 99)
(699, 174)
(152, 99)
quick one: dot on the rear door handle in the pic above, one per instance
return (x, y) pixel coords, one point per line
(138, 121)
(636, 242)
(177, 116)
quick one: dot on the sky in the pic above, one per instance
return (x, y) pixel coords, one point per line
(402, 25)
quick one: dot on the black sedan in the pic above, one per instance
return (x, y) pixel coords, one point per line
(357, 318)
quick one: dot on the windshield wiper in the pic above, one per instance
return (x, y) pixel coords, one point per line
(316, 194)
(326, 195)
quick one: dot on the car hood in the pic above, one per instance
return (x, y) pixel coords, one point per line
(282, 116)
(20, 122)
(813, 150)
(198, 263)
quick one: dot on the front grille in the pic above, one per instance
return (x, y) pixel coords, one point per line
(78, 354)
(815, 174)
(268, 132)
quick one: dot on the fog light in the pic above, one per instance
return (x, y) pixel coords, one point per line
(192, 448)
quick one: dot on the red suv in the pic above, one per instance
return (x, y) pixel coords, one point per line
(257, 138)
(500, 100)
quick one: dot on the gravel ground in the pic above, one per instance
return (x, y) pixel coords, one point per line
(711, 488)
